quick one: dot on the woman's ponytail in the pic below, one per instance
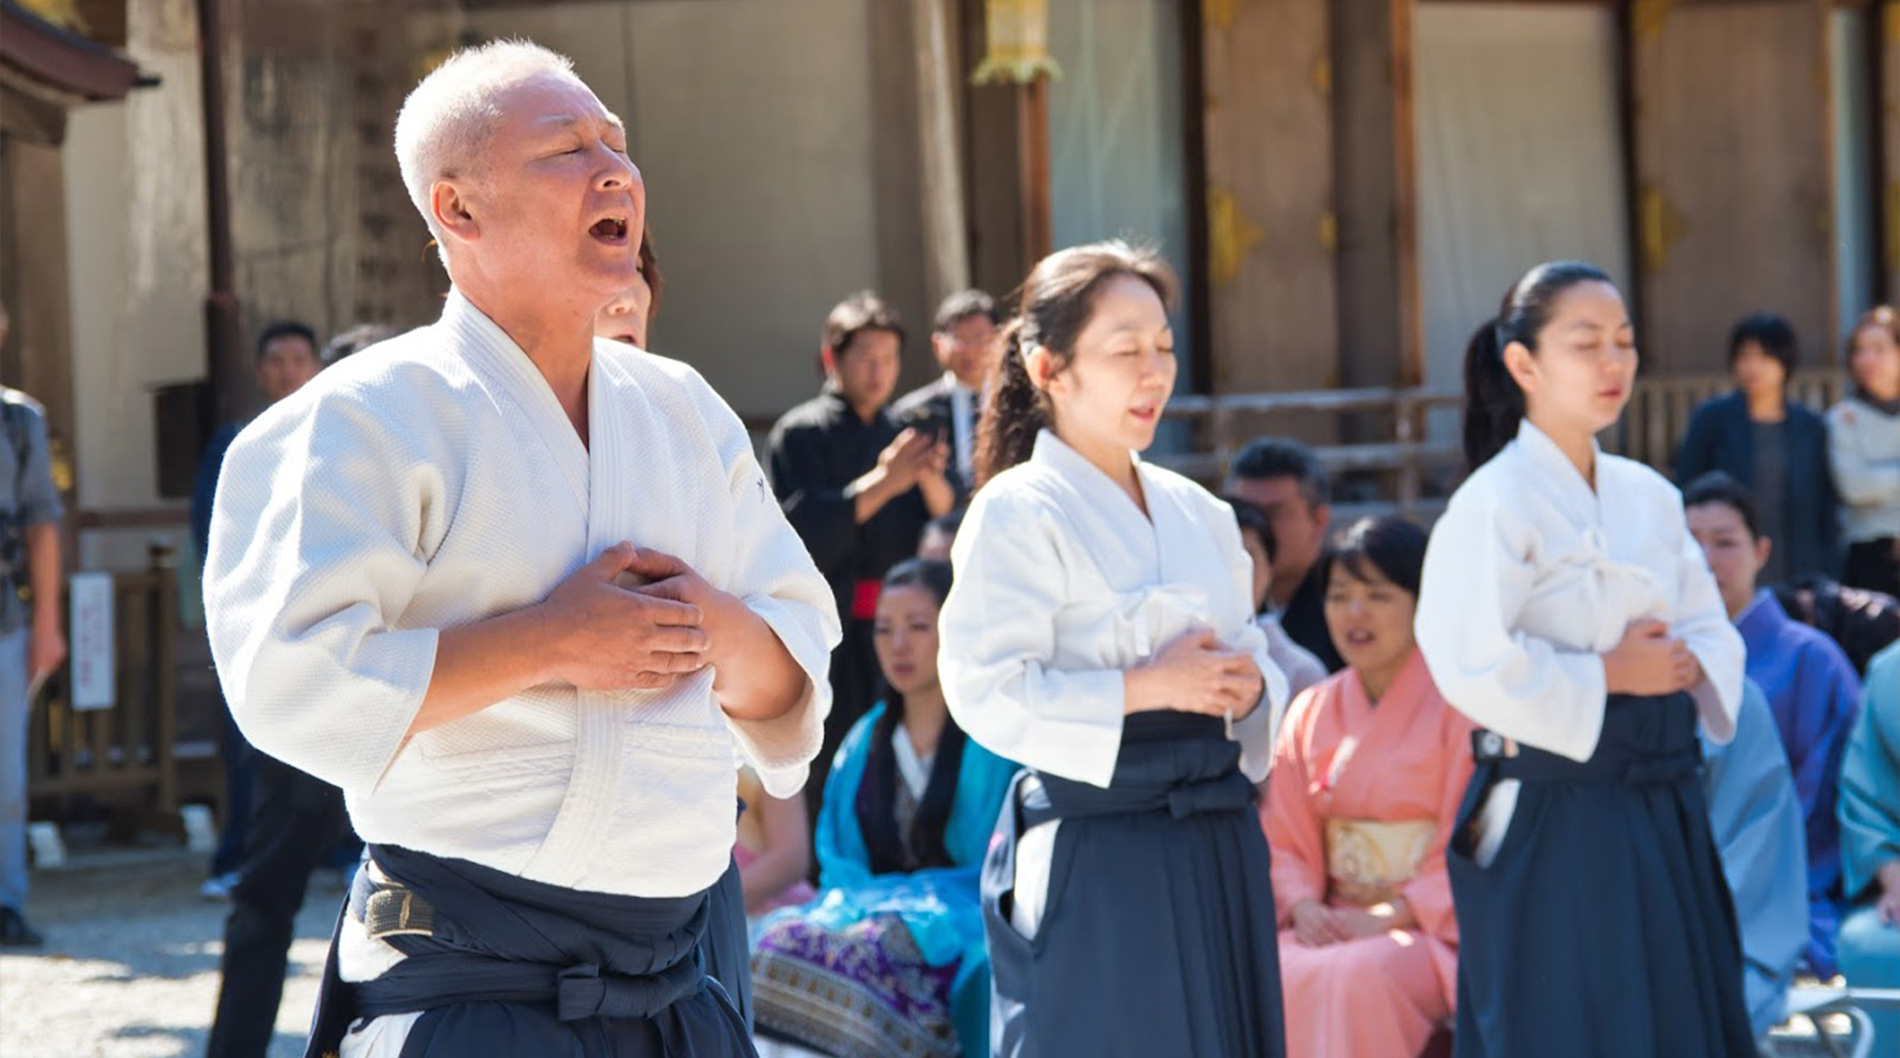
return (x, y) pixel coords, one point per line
(1014, 413)
(1494, 403)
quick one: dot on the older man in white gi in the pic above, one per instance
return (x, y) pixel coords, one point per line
(519, 592)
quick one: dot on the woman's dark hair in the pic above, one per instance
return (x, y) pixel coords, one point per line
(1254, 520)
(1720, 489)
(1388, 545)
(877, 795)
(1494, 405)
(1054, 305)
(650, 271)
(1773, 333)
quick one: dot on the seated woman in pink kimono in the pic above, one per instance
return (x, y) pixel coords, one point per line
(1368, 772)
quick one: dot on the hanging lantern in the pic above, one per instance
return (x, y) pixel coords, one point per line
(1018, 43)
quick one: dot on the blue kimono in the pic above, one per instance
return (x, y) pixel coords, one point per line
(1814, 694)
(842, 939)
(1870, 836)
(1758, 828)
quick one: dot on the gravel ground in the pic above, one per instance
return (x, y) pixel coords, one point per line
(130, 969)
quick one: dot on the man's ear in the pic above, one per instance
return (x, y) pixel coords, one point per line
(453, 212)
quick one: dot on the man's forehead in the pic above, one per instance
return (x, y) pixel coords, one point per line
(547, 99)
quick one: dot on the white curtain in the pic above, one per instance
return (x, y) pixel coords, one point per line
(1117, 157)
(1520, 159)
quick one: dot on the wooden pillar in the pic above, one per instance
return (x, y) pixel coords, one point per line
(946, 225)
(1889, 104)
(1373, 158)
(1032, 145)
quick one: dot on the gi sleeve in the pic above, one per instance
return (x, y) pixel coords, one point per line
(775, 576)
(316, 549)
(1476, 580)
(996, 648)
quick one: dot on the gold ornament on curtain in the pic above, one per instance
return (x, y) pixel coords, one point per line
(1017, 32)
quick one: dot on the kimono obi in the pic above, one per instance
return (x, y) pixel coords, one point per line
(472, 934)
(1369, 860)
(1646, 741)
(1171, 763)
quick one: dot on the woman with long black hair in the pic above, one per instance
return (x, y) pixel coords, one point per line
(1566, 609)
(1101, 632)
(890, 958)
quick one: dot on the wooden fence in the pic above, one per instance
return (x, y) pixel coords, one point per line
(124, 757)
(1409, 464)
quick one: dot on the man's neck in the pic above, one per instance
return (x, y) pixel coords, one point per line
(560, 345)
(1769, 407)
(968, 385)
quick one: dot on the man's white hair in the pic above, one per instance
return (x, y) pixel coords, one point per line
(448, 119)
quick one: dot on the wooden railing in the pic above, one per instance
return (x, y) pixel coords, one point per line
(125, 756)
(1410, 463)
(1405, 462)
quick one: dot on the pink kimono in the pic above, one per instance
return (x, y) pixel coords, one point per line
(1358, 807)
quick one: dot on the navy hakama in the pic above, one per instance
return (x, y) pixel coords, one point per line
(1603, 927)
(503, 966)
(1158, 933)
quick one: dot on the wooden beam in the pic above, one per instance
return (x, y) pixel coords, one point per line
(1887, 204)
(1032, 137)
(1405, 202)
(946, 225)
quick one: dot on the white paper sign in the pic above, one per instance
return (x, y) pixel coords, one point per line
(94, 662)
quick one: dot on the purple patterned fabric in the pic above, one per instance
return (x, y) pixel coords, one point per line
(865, 990)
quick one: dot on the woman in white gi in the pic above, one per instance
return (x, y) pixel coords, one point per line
(1566, 609)
(1101, 632)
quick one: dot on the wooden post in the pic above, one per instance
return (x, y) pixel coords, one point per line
(1405, 206)
(1032, 134)
(162, 613)
(946, 227)
(1888, 208)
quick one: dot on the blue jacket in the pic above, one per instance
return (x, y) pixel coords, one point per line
(1721, 437)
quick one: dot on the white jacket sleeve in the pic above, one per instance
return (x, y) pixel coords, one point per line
(1862, 479)
(1477, 577)
(777, 579)
(997, 648)
(1703, 625)
(319, 537)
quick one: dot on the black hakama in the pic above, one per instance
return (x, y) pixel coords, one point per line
(503, 966)
(1158, 933)
(1603, 927)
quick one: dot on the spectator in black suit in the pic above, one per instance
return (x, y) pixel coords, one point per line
(965, 339)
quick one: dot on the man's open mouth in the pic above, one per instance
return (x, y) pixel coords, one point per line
(610, 230)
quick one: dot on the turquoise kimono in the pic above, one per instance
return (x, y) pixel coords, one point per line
(1757, 822)
(940, 907)
(1870, 836)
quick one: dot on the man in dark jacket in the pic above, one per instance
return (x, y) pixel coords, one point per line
(1776, 448)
